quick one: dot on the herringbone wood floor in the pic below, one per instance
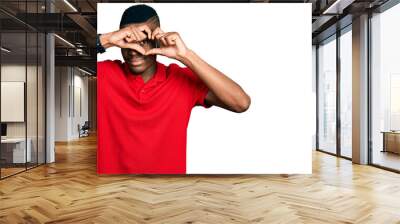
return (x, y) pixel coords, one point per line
(70, 191)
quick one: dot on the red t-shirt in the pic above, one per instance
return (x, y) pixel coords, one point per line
(142, 126)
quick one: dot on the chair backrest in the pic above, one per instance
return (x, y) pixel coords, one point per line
(86, 124)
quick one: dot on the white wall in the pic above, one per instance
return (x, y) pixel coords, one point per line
(68, 81)
(61, 103)
(34, 125)
(15, 72)
(80, 84)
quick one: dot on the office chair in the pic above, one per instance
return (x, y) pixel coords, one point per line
(84, 130)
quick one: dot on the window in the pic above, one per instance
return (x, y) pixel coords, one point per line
(385, 89)
(327, 96)
(346, 92)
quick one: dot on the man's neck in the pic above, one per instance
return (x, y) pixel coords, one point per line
(149, 73)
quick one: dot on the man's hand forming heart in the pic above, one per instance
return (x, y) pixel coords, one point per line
(127, 37)
(133, 36)
(171, 43)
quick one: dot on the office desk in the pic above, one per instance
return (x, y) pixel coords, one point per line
(13, 150)
(391, 141)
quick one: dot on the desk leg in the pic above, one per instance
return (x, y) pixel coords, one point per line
(384, 143)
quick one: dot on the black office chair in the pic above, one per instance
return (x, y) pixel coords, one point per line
(84, 130)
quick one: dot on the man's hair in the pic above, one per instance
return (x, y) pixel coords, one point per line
(138, 14)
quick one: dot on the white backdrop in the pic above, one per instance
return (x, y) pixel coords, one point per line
(266, 48)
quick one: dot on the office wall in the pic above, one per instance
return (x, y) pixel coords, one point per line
(71, 102)
(80, 104)
(92, 107)
(15, 72)
(82, 82)
(61, 103)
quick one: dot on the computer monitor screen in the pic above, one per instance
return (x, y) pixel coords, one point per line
(3, 129)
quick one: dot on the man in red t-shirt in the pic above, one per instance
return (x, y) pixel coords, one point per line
(144, 106)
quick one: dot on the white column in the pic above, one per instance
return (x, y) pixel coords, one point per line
(360, 90)
(50, 92)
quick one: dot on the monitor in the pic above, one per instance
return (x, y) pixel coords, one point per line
(3, 129)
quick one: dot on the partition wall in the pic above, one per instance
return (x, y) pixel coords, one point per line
(334, 76)
(22, 76)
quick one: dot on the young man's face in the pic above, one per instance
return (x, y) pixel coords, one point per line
(137, 62)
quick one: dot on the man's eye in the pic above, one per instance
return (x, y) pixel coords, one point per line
(144, 42)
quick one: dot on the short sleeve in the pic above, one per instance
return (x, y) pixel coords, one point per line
(105, 66)
(197, 87)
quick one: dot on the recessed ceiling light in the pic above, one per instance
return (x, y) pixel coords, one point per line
(338, 6)
(84, 71)
(64, 40)
(5, 50)
(70, 5)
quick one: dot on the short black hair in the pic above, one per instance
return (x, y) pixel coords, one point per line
(138, 14)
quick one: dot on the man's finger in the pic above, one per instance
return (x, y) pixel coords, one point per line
(133, 36)
(130, 37)
(146, 30)
(163, 40)
(155, 51)
(156, 32)
(158, 36)
(135, 47)
(171, 39)
(142, 36)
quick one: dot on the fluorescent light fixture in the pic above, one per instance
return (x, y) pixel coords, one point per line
(86, 72)
(5, 50)
(70, 5)
(338, 6)
(64, 40)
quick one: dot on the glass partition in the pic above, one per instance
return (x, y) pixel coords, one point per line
(346, 93)
(327, 96)
(22, 88)
(385, 89)
(14, 153)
